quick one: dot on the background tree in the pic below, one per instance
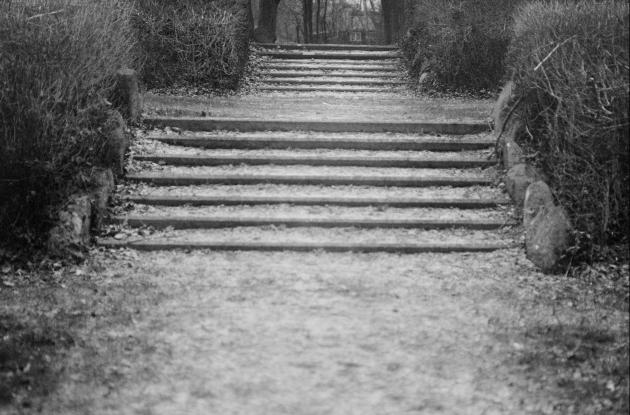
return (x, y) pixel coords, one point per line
(266, 29)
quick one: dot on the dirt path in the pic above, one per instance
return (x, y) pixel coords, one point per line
(290, 333)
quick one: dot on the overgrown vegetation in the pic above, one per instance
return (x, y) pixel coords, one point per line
(462, 44)
(192, 42)
(570, 63)
(58, 60)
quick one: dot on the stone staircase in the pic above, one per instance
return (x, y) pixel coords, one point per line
(331, 68)
(275, 184)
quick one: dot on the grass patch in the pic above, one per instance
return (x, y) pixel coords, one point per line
(28, 350)
(587, 364)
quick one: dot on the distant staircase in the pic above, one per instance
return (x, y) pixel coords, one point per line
(331, 68)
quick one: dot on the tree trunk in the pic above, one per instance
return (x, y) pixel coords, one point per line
(266, 30)
(250, 19)
(307, 9)
(325, 22)
(318, 20)
(394, 18)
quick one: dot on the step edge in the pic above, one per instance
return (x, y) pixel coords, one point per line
(243, 246)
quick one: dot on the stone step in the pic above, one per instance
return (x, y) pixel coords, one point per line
(272, 141)
(337, 55)
(261, 191)
(326, 46)
(329, 89)
(328, 73)
(246, 125)
(254, 200)
(316, 238)
(302, 246)
(315, 160)
(169, 179)
(331, 80)
(210, 222)
(331, 66)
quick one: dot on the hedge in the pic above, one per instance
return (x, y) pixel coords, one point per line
(201, 43)
(58, 60)
(569, 61)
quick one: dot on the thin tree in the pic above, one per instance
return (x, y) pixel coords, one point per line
(307, 10)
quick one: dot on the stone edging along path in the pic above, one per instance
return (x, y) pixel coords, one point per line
(547, 226)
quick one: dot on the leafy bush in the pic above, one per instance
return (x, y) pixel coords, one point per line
(463, 43)
(192, 42)
(570, 65)
(58, 60)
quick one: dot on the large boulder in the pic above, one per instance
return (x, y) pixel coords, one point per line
(548, 238)
(518, 179)
(71, 236)
(537, 197)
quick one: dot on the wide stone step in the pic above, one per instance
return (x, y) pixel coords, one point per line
(315, 160)
(169, 179)
(272, 141)
(337, 55)
(210, 222)
(330, 81)
(308, 65)
(329, 73)
(326, 46)
(245, 125)
(254, 200)
(300, 246)
(262, 191)
(329, 89)
(343, 239)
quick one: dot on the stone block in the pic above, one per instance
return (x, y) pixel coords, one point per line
(518, 179)
(70, 237)
(503, 105)
(103, 186)
(511, 153)
(426, 80)
(548, 238)
(537, 197)
(127, 95)
(117, 142)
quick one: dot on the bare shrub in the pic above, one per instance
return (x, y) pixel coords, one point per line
(58, 60)
(192, 42)
(570, 65)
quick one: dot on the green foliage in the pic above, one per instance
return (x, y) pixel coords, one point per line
(58, 60)
(461, 42)
(192, 42)
(570, 65)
